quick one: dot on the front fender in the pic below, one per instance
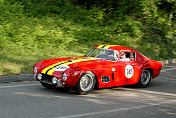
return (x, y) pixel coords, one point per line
(39, 66)
(74, 74)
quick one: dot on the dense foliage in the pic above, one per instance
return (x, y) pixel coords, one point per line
(33, 30)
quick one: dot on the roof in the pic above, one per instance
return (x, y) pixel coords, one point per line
(113, 47)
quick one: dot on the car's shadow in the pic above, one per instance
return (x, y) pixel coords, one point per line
(59, 90)
(65, 91)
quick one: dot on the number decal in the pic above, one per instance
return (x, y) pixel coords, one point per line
(61, 68)
(129, 71)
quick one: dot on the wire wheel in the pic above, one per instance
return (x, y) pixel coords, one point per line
(144, 79)
(86, 83)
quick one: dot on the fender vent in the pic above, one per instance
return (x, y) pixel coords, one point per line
(105, 79)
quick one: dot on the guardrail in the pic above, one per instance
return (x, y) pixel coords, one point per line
(170, 61)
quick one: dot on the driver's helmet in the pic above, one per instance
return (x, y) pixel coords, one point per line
(122, 53)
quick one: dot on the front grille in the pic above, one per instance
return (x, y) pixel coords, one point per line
(105, 79)
(46, 78)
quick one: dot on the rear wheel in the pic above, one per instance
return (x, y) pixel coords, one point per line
(50, 86)
(145, 79)
(86, 83)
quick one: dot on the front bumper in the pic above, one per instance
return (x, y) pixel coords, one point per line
(48, 79)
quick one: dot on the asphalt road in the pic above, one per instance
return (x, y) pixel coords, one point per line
(30, 100)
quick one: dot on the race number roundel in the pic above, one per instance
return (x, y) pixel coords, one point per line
(129, 71)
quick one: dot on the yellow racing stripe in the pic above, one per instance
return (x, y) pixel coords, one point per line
(105, 46)
(51, 68)
(100, 46)
(108, 46)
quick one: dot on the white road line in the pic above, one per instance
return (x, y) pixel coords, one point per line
(113, 110)
(168, 69)
(149, 92)
(1, 87)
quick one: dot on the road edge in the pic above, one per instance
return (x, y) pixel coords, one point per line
(16, 78)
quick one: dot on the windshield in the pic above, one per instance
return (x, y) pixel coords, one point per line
(105, 54)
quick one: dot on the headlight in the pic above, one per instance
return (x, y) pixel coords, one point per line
(54, 80)
(35, 69)
(64, 76)
(39, 76)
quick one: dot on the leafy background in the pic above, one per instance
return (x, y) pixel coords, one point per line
(34, 30)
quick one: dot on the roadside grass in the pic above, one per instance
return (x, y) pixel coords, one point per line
(22, 64)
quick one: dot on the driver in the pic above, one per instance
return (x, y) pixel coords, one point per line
(123, 57)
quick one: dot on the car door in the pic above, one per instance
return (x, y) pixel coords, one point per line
(127, 70)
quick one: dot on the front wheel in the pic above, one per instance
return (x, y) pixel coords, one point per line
(86, 83)
(145, 79)
(49, 86)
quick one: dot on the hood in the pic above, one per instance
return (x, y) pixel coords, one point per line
(53, 61)
(65, 63)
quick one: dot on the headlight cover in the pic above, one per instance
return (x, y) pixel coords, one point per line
(35, 70)
(39, 76)
(54, 80)
(61, 68)
(64, 76)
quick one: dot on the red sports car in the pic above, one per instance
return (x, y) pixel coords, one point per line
(103, 66)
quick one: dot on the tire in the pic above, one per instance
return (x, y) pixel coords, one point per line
(86, 83)
(145, 79)
(49, 86)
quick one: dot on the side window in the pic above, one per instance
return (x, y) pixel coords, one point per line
(132, 56)
(127, 56)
